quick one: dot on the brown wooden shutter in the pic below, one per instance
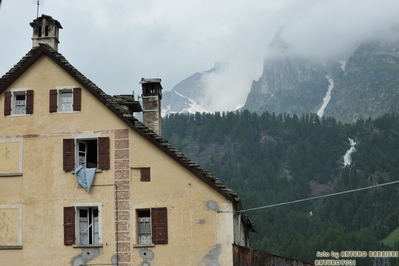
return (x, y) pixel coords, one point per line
(103, 153)
(53, 101)
(69, 226)
(159, 221)
(7, 103)
(77, 99)
(145, 175)
(29, 102)
(69, 154)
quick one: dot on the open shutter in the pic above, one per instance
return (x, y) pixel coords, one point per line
(53, 101)
(77, 99)
(69, 154)
(159, 221)
(145, 175)
(103, 153)
(7, 103)
(29, 102)
(69, 226)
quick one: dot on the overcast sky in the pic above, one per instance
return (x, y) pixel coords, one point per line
(116, 42)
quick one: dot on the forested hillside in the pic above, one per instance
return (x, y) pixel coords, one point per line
(269, 159)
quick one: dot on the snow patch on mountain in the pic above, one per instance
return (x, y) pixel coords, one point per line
(327, 98)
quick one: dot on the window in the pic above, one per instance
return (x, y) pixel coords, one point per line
(82, 225)
(65, 100)
(152, 226)
(144, 227)
(18, 102)
(145, 175)
(91, 153)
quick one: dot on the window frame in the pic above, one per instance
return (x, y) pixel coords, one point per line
(71, 153)
(72, 230)
(158, 226)
(55, 103)
(10, 102)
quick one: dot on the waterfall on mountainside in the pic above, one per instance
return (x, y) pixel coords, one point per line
(347, 156)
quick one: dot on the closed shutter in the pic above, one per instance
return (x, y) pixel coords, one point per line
(159, 221)
(145, 175)
(29, 102)
(53, 101)
(69, 154)
(69, 226)
(77, 99)
(7, 103)
(103, 153)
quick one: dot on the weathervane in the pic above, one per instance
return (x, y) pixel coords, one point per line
(37, 12)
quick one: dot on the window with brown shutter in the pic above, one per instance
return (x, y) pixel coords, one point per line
(82, 225)
(69, 226)
(159, 222)
(29, 102)
(145, 175)
(7, 103)
(103, 153)
(69, 154)
(90, 153)
(53, 101)
(77, 99)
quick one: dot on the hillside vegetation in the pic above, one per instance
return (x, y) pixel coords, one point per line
(269, 159)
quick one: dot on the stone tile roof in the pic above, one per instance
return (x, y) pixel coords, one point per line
(118, 105)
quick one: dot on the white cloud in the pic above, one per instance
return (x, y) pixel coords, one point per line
(115, 43)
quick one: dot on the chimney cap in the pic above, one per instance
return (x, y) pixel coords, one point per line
(38, 21)
(150, 80)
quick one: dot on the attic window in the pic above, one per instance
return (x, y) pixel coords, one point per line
(18, 102)
(45, 30)
(39, 31)
(65, 99)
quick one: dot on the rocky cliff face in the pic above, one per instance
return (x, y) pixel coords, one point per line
(367, 85)
(290, 85)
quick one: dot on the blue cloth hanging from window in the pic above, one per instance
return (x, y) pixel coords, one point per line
(85, 176)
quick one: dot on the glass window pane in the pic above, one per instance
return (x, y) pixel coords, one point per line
(66, 100)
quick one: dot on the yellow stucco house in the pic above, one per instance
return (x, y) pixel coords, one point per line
(83, 182)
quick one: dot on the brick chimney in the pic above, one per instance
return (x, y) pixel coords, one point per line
(45, 30)
(152, 96)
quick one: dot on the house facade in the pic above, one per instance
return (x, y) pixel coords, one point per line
(83, 182)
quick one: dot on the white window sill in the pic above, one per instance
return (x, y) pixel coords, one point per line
(10, 174)
(18, 115)
(65, 112)
(88, 246)
(143, 245)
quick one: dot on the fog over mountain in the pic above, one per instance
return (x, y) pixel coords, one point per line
(316, 31)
